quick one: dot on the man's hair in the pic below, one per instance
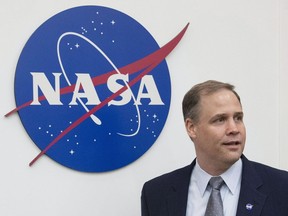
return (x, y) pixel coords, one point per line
(191, 100)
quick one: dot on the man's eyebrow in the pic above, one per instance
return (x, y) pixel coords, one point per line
(239, 113)
(224, 115)
(219, 115)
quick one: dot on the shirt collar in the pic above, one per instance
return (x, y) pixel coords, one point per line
(232, 176)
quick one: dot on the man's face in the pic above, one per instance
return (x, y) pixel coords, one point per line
(219, 135)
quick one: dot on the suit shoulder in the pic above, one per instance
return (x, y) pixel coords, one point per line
(270, 172)
(157, 191)
(178, 175)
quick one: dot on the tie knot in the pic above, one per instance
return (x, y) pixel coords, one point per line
(216, 182)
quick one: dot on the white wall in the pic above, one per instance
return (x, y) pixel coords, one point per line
(242, 42)
(283, 81)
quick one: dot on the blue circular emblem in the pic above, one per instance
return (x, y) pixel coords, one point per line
(93, 95)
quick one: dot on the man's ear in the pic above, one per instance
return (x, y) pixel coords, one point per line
(191, 128)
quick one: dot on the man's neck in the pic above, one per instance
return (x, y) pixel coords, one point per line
(214, 169)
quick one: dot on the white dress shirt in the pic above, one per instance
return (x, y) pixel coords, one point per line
(199, 193)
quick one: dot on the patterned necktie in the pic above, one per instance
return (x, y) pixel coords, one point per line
(215, 205)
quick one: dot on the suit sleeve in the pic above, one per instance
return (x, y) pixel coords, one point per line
(144, 206)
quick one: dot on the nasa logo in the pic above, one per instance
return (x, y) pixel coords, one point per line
(92, 88)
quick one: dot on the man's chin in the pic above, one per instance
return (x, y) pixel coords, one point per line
(235, 156)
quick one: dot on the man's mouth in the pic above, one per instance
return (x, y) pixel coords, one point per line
(231, 143)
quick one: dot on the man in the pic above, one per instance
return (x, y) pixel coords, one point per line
(213, 118)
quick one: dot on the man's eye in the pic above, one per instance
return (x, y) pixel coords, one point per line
(239, 118)
(219, 120)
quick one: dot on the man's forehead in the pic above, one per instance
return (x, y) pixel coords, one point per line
(220, 102)
(218, 95)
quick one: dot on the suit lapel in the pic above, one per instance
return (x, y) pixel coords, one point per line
(251, 200)
(178, 193)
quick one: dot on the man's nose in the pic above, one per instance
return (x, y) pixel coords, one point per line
(232, 127)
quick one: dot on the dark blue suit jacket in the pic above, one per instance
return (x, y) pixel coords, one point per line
(264, 187)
